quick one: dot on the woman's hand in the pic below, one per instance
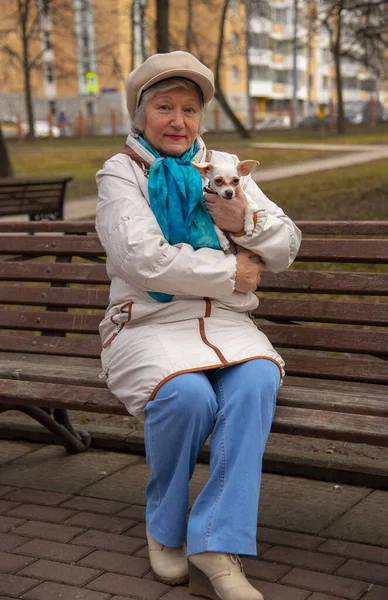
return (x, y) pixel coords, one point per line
(248, 272)
(228, 215)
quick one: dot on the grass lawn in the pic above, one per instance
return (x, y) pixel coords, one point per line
(360, 192)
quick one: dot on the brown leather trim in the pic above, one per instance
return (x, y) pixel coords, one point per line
(243, 233)
(141, 162)
(206, 341)
(208, 310)
(120, 326)
(196, 369)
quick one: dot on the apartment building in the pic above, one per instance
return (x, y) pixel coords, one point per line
(84, 49)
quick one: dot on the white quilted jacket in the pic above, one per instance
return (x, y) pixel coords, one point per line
(207, 324)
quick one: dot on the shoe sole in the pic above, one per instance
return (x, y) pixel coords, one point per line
(176, 581)
(200, 585)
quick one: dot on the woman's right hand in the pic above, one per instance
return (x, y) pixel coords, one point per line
(248, 272)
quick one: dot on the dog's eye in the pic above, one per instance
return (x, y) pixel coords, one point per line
(218, 181)
(236, 181)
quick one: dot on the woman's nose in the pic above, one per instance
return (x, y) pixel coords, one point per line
(177, 119)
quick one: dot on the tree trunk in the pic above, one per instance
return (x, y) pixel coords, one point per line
(5, 162)
(189, 30)
(162, 33)
(242, 131)
(341, 123)
(23, 18)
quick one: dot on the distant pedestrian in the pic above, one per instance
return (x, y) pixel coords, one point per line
(63, 123)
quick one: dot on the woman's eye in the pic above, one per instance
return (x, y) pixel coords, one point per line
(164, 107)
(191, 110)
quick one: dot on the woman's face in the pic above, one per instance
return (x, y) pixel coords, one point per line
(172, 120)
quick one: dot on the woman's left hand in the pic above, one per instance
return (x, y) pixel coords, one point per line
(227, 214)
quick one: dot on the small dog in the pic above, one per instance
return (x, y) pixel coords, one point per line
(224, 178)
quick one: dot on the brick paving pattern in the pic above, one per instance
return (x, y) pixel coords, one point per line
(89, 544)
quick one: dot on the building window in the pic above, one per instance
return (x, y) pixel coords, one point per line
(325, 82)
(260, 73)
(325, 55)
(280, 16)
(259, 41)
(52, 107)
(235, 74)
(311, 82)
(49, 73)
(233, 7)
(234, 40)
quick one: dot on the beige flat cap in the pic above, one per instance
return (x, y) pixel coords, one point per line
(164, 66)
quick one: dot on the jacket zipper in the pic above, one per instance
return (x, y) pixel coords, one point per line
(119, 326)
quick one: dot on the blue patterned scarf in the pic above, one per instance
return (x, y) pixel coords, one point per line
(175, 191)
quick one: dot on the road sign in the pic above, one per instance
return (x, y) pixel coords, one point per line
(92, 82)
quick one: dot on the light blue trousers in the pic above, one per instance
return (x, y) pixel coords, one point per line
(236, 405)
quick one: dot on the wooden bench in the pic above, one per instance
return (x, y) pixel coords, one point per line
(36, 197)
(328, 317)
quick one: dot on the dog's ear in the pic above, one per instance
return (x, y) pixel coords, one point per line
(203, 168)
(247, 166)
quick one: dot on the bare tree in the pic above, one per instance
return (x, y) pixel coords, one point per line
(5, 162)
(358, 31)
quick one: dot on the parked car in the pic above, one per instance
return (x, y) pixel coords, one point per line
(9, 127)
(355, 113)
(273, 123)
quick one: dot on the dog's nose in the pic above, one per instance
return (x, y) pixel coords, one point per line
(228, 194)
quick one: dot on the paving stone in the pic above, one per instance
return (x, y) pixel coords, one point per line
(49, 570)
(366, 523)
(275, 591)
(6, 506)
(121, 584)
(133, 512)
(177, 593)
(5, 490)
(41, 497)
(9, 563)
(51, 468)
(10, 451)
(329, 584)
(127, 485)
(287, 538)
(15, 585)
(109, 541)
(263, 570)
(357, 569)
(8, 541)
(116, 563)
(304, 505)
(50, 590)
(48, 531)
(8, 523)
(41, 513)
(101, 522)
(303, 558)
(354, 550)
(377, 592)
(139, 530)
(319, 596)
(95, 505)
(52, 550)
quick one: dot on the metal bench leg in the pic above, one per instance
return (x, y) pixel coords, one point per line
(60, 426)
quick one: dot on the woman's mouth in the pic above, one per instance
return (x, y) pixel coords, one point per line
(176, 137)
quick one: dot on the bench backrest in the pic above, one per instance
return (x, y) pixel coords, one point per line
(327, 315)
(33, 196)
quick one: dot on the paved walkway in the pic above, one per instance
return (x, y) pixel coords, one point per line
(351, 155)
(72, 527)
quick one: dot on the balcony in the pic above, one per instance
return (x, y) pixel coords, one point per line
(257, 56)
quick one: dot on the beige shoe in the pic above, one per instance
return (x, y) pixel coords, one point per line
(220, 576)
(169, 565)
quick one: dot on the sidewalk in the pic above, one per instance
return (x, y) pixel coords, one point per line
(72, 527)
(354, 154)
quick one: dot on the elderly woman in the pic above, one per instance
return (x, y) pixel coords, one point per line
(179, 347)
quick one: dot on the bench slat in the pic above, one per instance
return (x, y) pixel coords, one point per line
(47, 296)
(329, 366)
(318, 423)
(53, 272)
(324, 311)
(50, 321)
(352, 251)
(88, 346)
(47, 226)
(49, 245)
(343, 227)
(335, 282)
(362, 341)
